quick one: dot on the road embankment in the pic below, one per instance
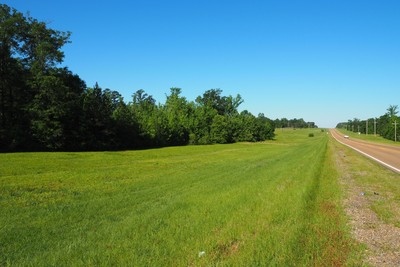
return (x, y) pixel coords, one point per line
(387, 155)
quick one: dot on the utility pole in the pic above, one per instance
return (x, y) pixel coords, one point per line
(395, 130)
(375, 126)
(366, 127)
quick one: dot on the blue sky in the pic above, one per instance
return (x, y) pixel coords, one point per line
(324, 61)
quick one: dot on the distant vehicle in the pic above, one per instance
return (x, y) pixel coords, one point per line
(346, 136)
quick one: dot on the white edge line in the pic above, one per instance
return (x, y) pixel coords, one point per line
(369, 156)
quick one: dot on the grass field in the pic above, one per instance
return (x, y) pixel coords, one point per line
(274, 203)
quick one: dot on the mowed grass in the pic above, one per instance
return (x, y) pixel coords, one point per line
(274, 203)
(378, 184)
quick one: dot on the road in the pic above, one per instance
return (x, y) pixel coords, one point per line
(386, 155)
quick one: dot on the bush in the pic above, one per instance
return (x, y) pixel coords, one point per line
(310, 135)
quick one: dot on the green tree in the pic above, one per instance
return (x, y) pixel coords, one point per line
(56, 110)
(126, 127)
(47, 111)
(97, 119)
(219, 130)
(146, 114)
(206, 123)
(72, 122)
(202, 120)
(224, 105)
(29, 53)
(177, 111)
(247, 125)
(392, 110)
(14, 122)
(386, 122)
(212, 98)
(42, 52)
(265, 129)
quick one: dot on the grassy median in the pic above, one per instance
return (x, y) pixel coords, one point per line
(272, 203)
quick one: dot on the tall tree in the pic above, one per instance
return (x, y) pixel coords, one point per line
(97, 119)
(126, 127)
(387, 122)
(177, 113)
(392, 110)
(14, 124)
(29, 52)
(212, 98)
(265, 129)
(145, 112)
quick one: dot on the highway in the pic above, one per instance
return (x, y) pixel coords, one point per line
(387, 155)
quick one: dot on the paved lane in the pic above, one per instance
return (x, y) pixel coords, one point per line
(386, 155)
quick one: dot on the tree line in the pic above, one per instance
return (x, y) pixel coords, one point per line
(47, 107)
(387, 125)
(294, 123)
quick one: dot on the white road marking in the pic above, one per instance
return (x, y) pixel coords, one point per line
(368, 155)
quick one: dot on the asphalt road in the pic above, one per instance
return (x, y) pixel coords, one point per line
(386, 155)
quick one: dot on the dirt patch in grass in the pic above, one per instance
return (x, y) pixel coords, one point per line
(225, 250)
(381, 239)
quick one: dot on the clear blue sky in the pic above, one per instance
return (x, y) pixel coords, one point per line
(324, 61)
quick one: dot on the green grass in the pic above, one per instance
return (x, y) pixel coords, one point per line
(274, 203)
(380, 185)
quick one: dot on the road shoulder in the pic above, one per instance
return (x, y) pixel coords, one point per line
(360, 180)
